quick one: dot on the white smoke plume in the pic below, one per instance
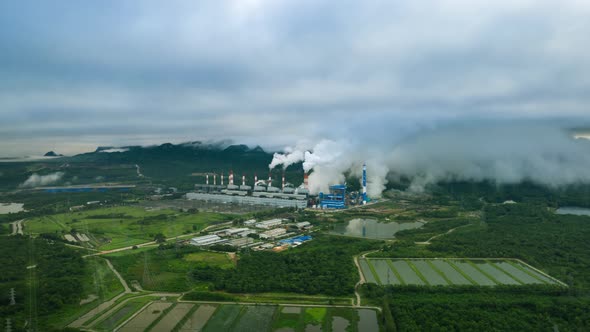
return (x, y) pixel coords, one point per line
(288, 158)
(36, 180)
(498, 152)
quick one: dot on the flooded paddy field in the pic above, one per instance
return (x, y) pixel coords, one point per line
(185, 317)
(452, 271)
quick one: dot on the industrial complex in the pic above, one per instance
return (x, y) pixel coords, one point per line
(264, 193)
(275, 234)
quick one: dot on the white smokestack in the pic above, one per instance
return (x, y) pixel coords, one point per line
(222, 179)
(283, 182)
(243, 180)
(255, 178)
(231, 178)
(306, 181)
(207, 179)
(269, 179)
(214, 179)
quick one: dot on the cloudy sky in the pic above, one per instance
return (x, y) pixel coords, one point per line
(78, 74)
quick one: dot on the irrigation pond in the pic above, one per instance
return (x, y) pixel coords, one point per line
(373, 229)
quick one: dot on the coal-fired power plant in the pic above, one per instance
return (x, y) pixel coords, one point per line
(262, 192)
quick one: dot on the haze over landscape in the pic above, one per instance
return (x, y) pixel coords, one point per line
(377, 78)
(170, 165)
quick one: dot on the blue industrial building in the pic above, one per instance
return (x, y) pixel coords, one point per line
(336, 199)
(86, 189)
(297, 239)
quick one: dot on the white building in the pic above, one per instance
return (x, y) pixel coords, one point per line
(271, 234)
(206, 240)
(231, 231)
(268, 224)
(250, 222)
(303, 225)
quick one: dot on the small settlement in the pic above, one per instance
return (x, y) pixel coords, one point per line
(273, 234)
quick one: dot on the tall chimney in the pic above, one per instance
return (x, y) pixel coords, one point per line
(231, 178)
(207, 179)
(243, 180)
(255, 178)
(306, 181)
(269, 179)
(214, 179)
(222, 179)
(364, 183)
(283, 181)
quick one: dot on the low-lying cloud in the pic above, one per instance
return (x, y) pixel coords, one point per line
(37, 180)
(500, 152)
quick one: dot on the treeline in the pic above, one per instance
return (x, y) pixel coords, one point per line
(471, 194)
(323, 266)
(558, 244)
(57, 271)
(528, 308)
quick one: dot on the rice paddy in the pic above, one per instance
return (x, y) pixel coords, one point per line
(185, 316)
(452, 271)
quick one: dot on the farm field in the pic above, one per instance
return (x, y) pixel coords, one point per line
(184, 317)
(448, 271)
(117, 227)
(146, 317)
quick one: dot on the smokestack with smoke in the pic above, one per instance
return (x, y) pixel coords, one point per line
(36, 180)
(498, 152)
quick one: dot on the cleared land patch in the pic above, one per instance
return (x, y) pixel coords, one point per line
(451, 271)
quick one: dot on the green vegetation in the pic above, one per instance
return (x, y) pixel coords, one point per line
(555, 243)
(47, 272)
(529, 308)
(116, 227)
(166, 267)
(322, 266)
(315, 315)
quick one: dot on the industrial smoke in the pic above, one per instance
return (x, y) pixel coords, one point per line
(498, 152)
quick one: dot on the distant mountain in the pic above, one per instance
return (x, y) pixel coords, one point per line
(52, 154)
(186, 162)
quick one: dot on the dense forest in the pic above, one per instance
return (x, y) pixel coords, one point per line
(528, 308)
(45, 275)
(322, 266)
(558, 244)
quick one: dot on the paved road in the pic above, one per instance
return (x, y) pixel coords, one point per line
(362, 277)
(123, 282)
(147, 244)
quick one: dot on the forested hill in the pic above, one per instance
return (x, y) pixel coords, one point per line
(169, 161)
(176, 165)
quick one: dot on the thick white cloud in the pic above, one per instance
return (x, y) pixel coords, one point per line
(274, 73)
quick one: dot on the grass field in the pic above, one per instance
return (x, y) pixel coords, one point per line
(210, 258)
(442, 272)
(166, 270)
(116, 227)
